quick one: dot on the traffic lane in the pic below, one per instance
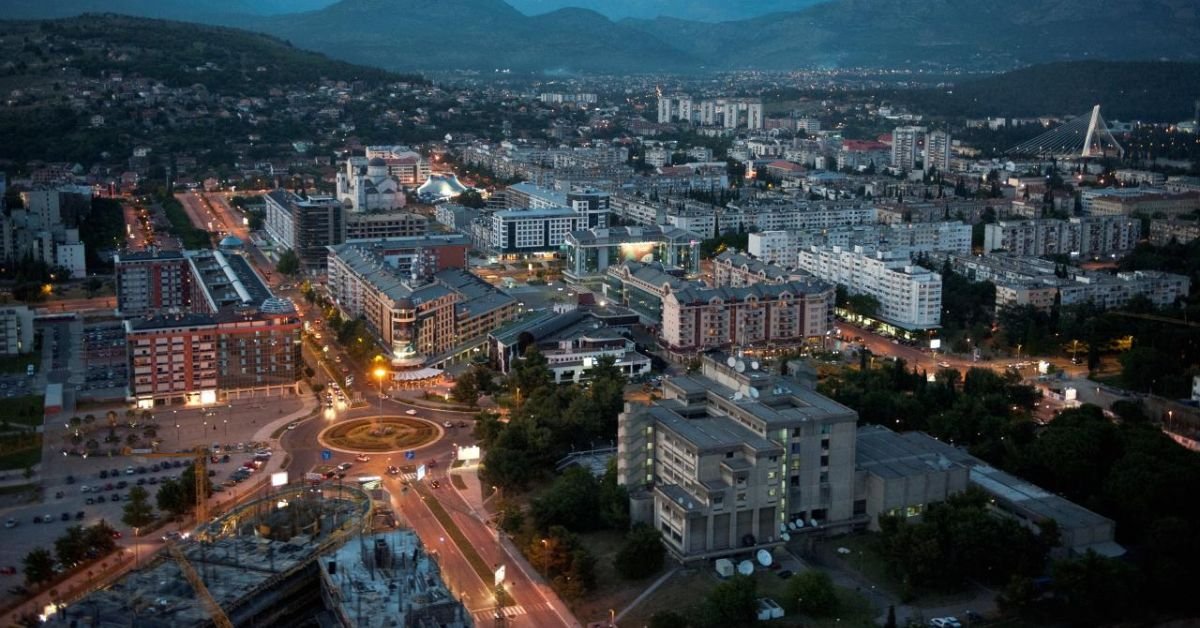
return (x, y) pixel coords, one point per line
(457, 572)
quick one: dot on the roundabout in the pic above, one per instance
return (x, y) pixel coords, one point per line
(380, 434)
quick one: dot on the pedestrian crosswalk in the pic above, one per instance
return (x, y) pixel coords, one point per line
(484, 615)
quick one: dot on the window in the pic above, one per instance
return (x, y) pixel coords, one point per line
(825, 460)
(794, 480)
(824, 477)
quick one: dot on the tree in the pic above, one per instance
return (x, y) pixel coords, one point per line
(172, 497)
(668, 619)
(38, 566)
(71, 548)
(812, 593)
(571, 502)
(731, 603)
(99, 538)
(465, 390)
(1094, 590)
(288, 264)
(641, 555)
(137, 511)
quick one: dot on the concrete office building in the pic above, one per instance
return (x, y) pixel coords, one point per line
(910, 297)
(762, 315)
(522, 231)
(304, 225)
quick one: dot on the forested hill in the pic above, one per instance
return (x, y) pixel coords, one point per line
(224, 60)
(1153, 91)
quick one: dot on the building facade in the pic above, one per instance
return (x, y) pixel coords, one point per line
(590, 252)
(152, 282)
(1088, 236)
(16, 330)
(910, 297)
(761, 315)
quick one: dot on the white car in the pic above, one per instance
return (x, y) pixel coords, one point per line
(293, 425)
(945, 622)
(362, 458)
(448, 424)
(410, 412)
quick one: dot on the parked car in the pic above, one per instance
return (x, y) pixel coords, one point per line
(362, 458)
(945, 622)
(8, 571)
(79, 516)
(11, 523)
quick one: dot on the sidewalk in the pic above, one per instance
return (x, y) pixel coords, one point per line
(81, 584)
(473, 496)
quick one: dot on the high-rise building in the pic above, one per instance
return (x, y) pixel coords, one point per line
(906, 142)
(910, 297)
(937, 151)
(152, 282)
(16, 330)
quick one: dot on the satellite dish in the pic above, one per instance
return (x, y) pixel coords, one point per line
(812, 522)
(737, 396)
(754, 393)
(792, 526)
(731, 360)
(799, 523)
(746, 568)
(785, 536)
(754, 365)
(783, 527)
(740, 366)
(764, 557)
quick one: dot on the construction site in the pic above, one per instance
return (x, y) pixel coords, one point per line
(305, 555)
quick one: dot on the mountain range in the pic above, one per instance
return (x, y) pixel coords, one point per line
(489, 34)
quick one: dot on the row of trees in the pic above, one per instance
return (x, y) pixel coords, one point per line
(734, 603)
(77, 545)
(985, 411)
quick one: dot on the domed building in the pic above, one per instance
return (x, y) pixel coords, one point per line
(366, 185)
(440, 187)
(230, 243)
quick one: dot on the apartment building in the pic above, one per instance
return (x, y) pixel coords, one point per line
(233, 336)
(910, 297)
(733, 269)
(766, 315)
(383, 224)
(937, 152)
(16, 330)
(906, 147)
(589, 252)
(418, 256)
(407, 166)
(1162, 232)
(1129, 201)
(1025, 281)
(417, 318)
(1087, 236)
(782, 247)
(152, 282)
(772, 247)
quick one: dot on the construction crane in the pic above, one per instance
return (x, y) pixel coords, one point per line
(219, 618)
(199, 458)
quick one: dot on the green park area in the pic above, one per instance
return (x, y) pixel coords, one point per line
(380, 434)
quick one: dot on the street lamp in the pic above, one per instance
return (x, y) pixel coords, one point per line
(380, 373)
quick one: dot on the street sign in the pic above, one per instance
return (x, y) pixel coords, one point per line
(326, 454)
(410, 455)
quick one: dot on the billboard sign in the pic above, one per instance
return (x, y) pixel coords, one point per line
(420, 473)
(499, 575)
(279, 479)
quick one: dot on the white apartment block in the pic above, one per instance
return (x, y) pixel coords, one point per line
(1087, 236)
(773, 247)
(909, 296)
(905, 146)
(790, 216)
(730, 113)
(937, 151)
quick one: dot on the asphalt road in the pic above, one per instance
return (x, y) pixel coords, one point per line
(530, 603)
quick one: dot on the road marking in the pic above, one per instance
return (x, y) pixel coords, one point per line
(488, 614)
